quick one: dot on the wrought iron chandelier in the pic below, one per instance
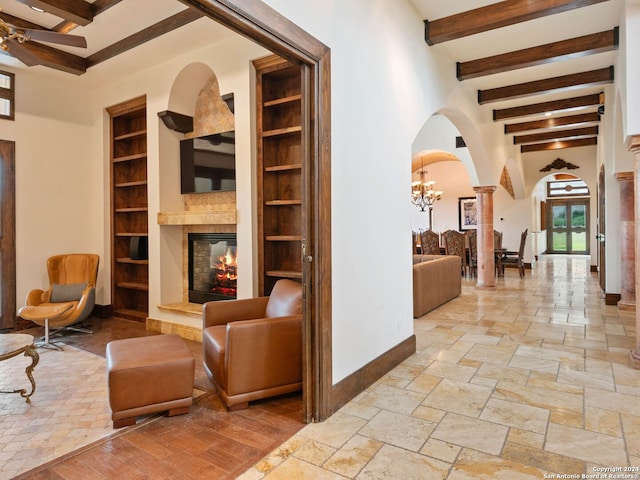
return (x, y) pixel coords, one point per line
(422, 193)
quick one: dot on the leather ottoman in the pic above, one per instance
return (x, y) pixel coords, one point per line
(148, 375)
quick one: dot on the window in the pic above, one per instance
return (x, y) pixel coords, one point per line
(567, 188)
(7, 95)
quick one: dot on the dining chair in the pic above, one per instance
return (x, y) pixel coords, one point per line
(430, 242)
(472, 235)
(455, 244)
(516, 258)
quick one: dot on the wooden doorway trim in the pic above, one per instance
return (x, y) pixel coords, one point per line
(601, 234)
(7, 235)
(260, 23)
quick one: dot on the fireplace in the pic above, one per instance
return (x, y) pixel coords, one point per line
(212, 267)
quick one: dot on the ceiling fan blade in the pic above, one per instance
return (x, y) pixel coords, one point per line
(19, 51)
(55, 37)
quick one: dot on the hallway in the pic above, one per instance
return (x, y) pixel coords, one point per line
(527, 380)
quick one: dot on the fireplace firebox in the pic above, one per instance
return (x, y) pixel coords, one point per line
(213, 268)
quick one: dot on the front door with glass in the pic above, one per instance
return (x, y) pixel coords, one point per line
(568, 226)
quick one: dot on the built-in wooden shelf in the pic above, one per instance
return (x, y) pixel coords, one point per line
(131, 210)
(283, 274)
(125, 136)
(283, 168)
(134, 286)
(282, 131)
(278, 203)
(131, 184)
(283, 100)
(279, 172)
(128, 158)
(283, 238)
(129, 214)
(131, 260)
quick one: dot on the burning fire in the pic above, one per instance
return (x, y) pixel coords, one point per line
(226, 274)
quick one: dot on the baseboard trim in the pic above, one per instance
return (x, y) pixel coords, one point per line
(358, 381)
(102, 311)
(612, 298)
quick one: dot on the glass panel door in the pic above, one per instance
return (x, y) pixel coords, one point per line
(569, 227)
(559, 228)
(578, 228)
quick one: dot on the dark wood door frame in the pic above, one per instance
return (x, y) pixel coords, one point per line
(567, 203)
(601, 234)
(260, 23)
(7, 234)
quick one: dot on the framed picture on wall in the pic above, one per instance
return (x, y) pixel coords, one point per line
(467, 213)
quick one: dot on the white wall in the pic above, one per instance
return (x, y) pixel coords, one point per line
(59, 181)
(385, 84)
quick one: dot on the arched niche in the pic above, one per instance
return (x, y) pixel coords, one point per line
(196, 93)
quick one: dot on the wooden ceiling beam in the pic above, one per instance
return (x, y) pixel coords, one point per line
(539, 55)
(19, 22)
(57, 59)
(552, 123)
(556, 135)
(584, 101)
(494, 16)
(555, 84)
(164, 26)
(98, 7)
(540, 147)
(77, 11)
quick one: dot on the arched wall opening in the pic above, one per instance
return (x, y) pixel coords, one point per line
(439, 151)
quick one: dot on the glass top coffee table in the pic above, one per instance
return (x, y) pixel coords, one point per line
(12, 345)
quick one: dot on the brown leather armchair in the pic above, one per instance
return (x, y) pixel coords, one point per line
(253, 347)
(70, 297)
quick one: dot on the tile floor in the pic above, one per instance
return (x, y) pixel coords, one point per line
(530, 380)
(62, 415)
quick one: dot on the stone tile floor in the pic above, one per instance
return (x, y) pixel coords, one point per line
(532, 379)
(68, 409)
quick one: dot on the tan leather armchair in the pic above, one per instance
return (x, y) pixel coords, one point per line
(253, 347)
(70, 297)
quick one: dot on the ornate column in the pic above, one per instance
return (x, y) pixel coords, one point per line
(486, 258)
(633, 144)
(627, 242)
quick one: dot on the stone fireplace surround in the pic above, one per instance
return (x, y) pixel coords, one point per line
(213, 212)
(204, 213)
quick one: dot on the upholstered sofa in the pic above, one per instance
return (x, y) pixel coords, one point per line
(436, 280)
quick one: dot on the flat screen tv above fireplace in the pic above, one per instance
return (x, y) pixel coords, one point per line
(208, 163)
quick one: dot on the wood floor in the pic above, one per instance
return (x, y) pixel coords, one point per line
(207, 443)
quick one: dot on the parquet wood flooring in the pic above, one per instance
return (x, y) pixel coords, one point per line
(207, 443)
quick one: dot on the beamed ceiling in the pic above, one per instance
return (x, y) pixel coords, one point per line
(539, 67)
(143, 32)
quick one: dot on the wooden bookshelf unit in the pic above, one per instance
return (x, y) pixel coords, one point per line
(279, 128)
(129, 209)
